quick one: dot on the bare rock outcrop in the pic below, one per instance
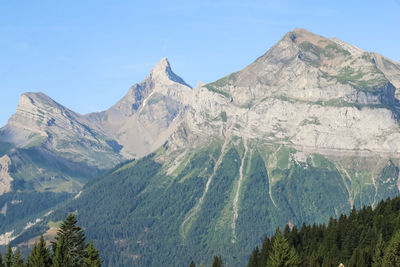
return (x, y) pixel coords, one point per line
(5, 177)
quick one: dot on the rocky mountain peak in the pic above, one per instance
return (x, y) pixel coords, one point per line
(162, 66)
(34, 113)
(162, 72)
(161, 78)
(33, 101)
(300, 35)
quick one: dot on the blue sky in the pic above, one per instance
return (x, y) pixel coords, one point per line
(86, 54)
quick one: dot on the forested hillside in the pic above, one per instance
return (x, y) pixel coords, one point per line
(367, 237)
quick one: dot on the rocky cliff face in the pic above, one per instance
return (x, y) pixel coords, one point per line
(5, 177)
(307, 91)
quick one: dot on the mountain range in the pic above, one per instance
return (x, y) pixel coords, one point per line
(172, 173)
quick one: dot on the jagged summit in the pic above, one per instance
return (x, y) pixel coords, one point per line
(145, 117)
(163, 70)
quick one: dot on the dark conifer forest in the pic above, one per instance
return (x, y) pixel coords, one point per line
(365, 237)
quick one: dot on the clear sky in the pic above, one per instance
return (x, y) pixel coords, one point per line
(86, 54)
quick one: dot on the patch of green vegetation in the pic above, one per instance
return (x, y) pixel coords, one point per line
(227, 80)
(348, 74)
(318, 160)
(37, 140)
(126, 166)
(312, 120)
(238, 126)
(333, 46)
(371, 84)
(182, 164)
(282, 157)
(215, 90)
(309, 47)
(286, 99)
(52, 224)
(44, 171)
(223, 116)
(355, 78)
(330, 50)
(312, 55)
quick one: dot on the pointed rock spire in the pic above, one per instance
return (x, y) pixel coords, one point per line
(162, 70)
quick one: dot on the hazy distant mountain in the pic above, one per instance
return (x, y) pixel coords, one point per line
(307, 131)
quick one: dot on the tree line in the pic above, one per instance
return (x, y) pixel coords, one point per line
(69, 249)
(369, 237)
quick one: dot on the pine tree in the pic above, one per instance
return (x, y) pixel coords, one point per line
(18, 261)
(315, 260)
(73, 241)
(254, 258)
(192, 264)
(392, 252)
(217, 261)
(265, 251)
(8, 261)
(379, 251)
(40, 256)
(282, 254)
(92, 257)
(60, 257)
(1, 261)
